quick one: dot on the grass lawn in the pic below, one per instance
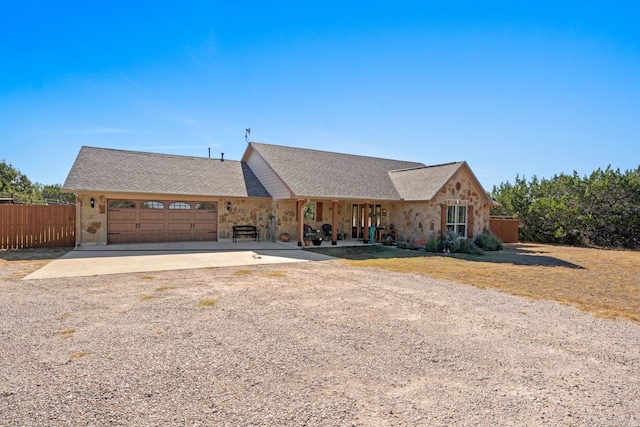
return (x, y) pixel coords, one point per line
(603, 282)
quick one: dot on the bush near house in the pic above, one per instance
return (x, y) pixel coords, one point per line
(598, 210)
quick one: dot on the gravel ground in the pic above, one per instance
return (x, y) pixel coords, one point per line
(305, 344)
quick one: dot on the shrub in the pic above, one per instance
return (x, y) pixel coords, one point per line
(487, 241)
(467, 247)
(450, 243)
(432, 244)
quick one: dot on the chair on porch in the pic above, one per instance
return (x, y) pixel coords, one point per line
(308, 230)
(327, 230)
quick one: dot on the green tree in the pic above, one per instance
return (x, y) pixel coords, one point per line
(602, 209)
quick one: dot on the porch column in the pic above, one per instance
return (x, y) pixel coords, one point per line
(365, 218)
(334, 223)
(299, 205)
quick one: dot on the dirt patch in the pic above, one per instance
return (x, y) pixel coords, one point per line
(317, 343)
(16, 264)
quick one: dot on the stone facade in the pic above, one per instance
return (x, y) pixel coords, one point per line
(413, 220)
(422, 220)
(91, 226)
(256, 212)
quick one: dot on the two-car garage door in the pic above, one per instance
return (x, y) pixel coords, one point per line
(134, 221)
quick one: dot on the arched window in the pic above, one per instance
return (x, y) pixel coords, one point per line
(179, 205)
(122, 204)
(151, 205)
(209, 206)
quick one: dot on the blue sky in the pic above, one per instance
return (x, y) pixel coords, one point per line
(534, 89)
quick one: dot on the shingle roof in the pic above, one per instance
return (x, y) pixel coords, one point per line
(108, 170)
(423, 183)
(314, 173)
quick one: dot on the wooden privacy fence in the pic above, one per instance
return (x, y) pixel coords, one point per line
(37, 226)
(504, 228)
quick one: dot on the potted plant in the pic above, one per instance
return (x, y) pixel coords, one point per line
(313, 238)
(284, 237)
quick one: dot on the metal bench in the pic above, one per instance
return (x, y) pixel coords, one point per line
(245, 231)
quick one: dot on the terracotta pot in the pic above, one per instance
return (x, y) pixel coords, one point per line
(284, 237)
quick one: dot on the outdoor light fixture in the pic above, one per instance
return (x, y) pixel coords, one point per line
(93, 202)
(228, 206)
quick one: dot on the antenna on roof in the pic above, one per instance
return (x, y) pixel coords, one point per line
(247, 132)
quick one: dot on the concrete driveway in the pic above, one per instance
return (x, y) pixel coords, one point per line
(137, 258)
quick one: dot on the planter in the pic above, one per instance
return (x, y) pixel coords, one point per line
(307, 242)
(284, 237)
(316, 242)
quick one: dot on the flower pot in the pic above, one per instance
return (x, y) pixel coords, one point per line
(307, 242)
(284, 237)
(316, 242)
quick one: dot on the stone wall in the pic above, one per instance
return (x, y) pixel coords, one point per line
(256, 212)
(423, 220)
(285, 211)
(92, 222)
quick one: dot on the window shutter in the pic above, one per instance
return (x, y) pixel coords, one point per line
(443, 221)
(470, 221)
(319, 211)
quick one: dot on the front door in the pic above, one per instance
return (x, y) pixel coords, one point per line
(358, 217)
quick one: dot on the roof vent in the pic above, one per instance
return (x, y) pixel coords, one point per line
(222, 157)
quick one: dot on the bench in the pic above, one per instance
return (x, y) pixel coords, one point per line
(245, 231)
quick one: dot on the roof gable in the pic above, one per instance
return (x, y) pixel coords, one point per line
(323, 174)
(424, 183)
(109, 170)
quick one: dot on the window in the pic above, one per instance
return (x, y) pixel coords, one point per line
(151, 205)
(457, 219)
(309, 212)
(208, 206)
(179, 205)
(122, 204)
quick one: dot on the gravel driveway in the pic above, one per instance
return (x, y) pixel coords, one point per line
(305, 344)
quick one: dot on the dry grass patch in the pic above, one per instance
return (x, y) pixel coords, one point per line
(207, 302)
(79, 355)
(16, 264)
(275, 274)
(165, 288)
(146, 297)
(602, 282)
(242, 272)
(67, 333)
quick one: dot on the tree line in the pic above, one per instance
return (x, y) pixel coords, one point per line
(602, 209)
(16, 184)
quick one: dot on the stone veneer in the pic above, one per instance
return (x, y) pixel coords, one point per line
(92, 224)
(422, 220)
(411, 219)
(256, 212)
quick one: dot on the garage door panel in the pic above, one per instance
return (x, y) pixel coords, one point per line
(205, 216)
(205, 236)
(179, 226)
(122, 215)
(199, 226)
(121, 227)
(152, 237)
(180, 216)
(130, 221)
(122, 238)
(179, 237)
(151, 226)
(151, 215)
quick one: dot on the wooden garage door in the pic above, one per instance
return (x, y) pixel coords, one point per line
(135, 221)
